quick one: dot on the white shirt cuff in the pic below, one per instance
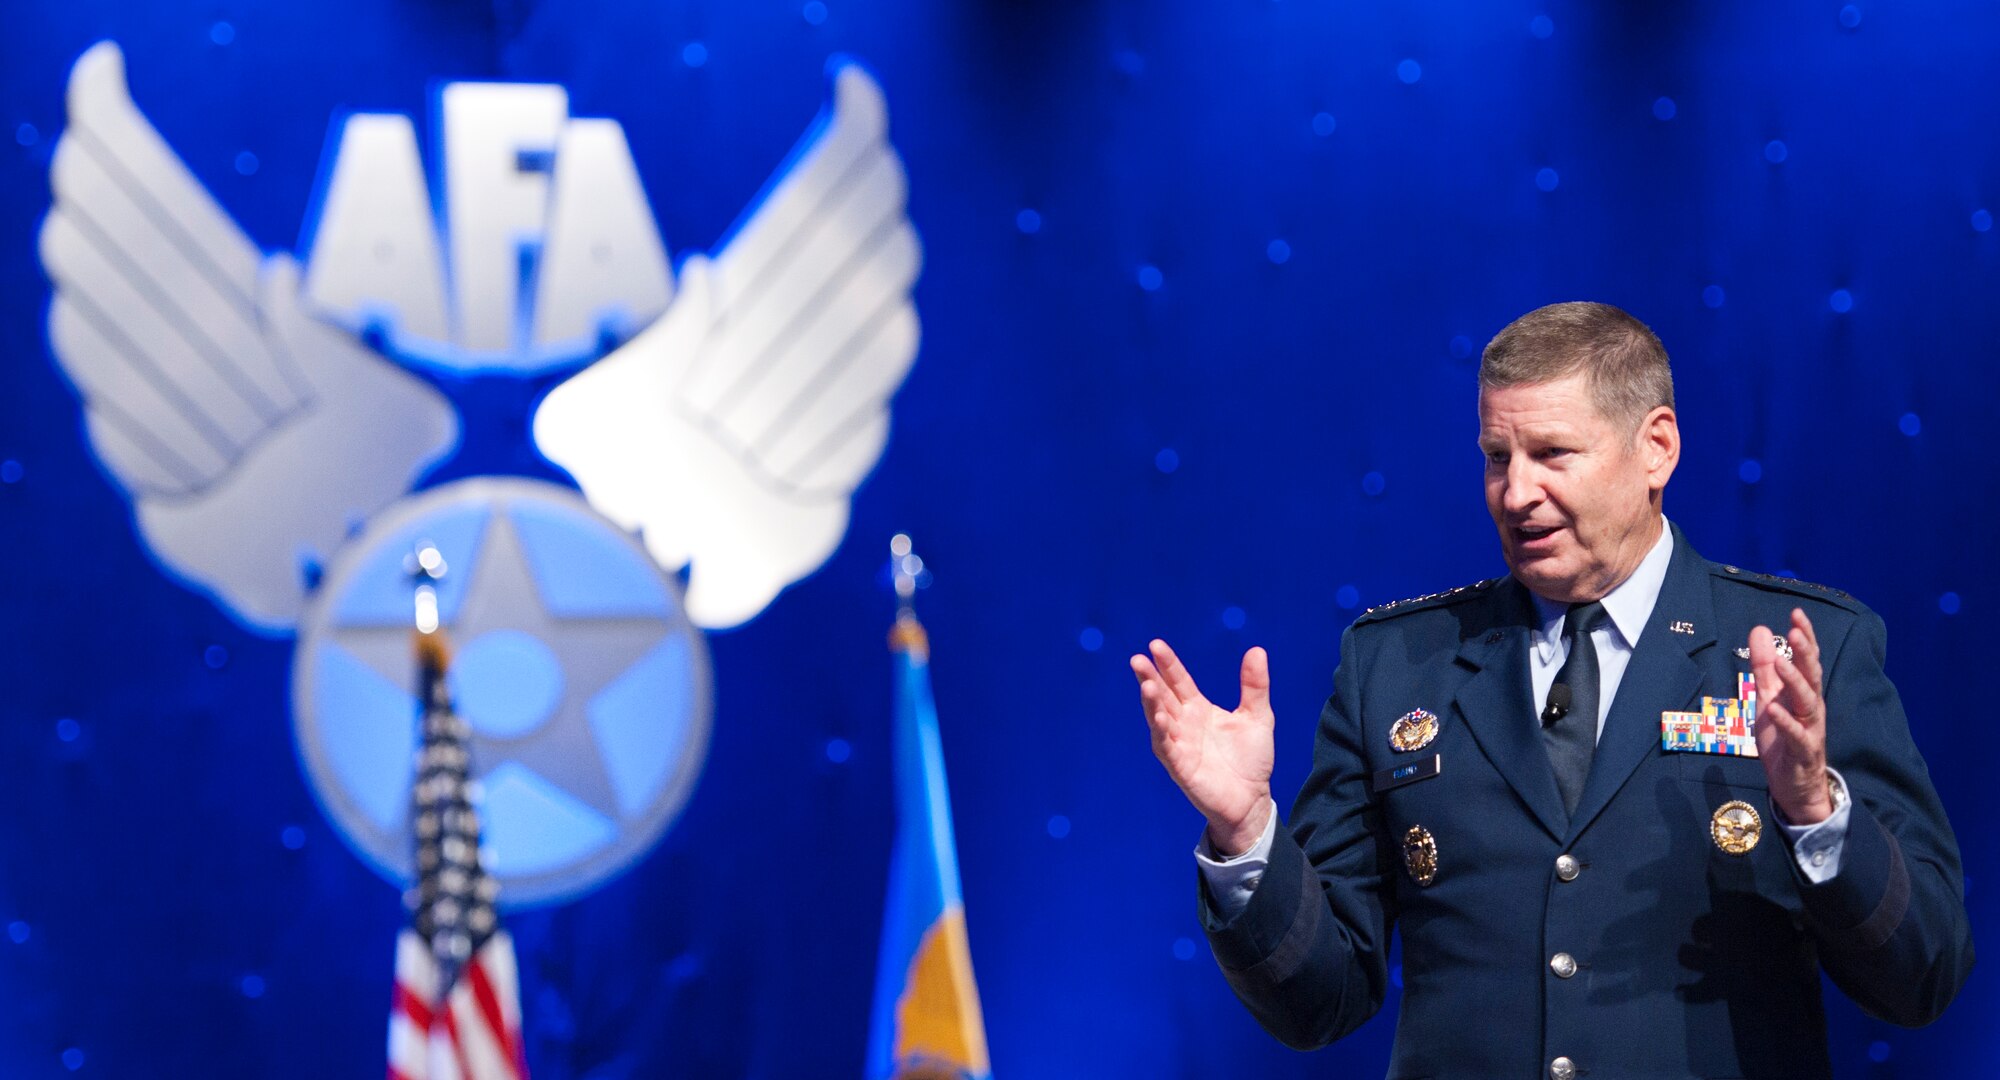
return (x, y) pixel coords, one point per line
(1817, 847)
(1231, 881)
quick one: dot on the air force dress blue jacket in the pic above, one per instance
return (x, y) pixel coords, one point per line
(1627, 940)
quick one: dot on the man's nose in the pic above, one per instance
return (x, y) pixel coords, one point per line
(1523, 488)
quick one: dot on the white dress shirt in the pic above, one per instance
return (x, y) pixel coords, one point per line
(1627, 607)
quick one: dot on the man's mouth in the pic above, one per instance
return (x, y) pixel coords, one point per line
(1536, 538)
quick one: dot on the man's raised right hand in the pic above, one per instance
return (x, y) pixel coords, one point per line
(1220, 759)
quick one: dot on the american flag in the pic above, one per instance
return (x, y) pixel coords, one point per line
(457, 1011)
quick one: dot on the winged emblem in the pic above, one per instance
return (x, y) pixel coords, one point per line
(734, 429)
(249, 435)
(254, 428)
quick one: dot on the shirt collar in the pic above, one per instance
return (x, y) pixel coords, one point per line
(1627, 607)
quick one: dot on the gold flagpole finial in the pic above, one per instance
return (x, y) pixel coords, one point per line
(909, 573)
(426, 568)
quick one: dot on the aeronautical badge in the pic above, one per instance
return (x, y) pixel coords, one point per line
(1735, 827)
(1420, 855)
(1778, 642)
(1413, 730)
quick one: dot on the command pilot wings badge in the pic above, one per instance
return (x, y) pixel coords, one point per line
(276, 422)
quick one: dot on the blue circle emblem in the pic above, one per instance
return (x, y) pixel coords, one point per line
(586, 688)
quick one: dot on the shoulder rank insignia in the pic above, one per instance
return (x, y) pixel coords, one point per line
(1387, 609)
(1414, 730)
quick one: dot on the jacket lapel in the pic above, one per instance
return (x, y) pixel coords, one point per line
(1492, 702)
(1661, 675)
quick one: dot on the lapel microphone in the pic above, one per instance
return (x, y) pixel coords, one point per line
(1558, 707)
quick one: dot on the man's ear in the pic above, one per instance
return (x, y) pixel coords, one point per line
(1659, 445)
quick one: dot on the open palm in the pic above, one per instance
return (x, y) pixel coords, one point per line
(1220, 758)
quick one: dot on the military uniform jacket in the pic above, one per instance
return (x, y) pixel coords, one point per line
(1688, 961)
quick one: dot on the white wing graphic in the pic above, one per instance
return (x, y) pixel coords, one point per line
(249, 435)
(734, 429)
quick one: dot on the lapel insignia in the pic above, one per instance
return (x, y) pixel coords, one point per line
(1681, 626)
(1723, 726)
(1735, 827)
(1413, 730)
(1777, 642)
(1420, 854)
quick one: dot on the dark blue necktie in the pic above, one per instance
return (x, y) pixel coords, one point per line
(1571, 734)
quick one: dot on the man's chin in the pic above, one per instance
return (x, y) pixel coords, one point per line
(1545, 575)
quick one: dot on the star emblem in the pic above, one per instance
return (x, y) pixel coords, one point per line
(541, 668)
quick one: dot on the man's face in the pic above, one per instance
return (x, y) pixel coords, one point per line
(1574, 495)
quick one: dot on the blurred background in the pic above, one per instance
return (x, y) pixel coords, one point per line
(1203, 292)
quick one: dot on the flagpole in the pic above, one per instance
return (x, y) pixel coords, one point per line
(907, 635)
(926, 1020)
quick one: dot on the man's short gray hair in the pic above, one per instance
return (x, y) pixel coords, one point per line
(1625, 363)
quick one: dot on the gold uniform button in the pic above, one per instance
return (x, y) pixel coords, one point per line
(1567, 868)
(1563, 964)
(1562, 1068)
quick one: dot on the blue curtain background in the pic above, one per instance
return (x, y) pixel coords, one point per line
(1204, 290)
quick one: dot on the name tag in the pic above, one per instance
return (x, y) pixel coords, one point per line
(1408, 774)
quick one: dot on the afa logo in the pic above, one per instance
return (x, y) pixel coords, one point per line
(282, 426)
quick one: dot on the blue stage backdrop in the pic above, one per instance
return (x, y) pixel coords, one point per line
(1202, 294)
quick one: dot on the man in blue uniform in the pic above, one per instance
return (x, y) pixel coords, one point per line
(1492, 776)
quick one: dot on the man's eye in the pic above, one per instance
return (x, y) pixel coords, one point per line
(1496, 457)
(1553, 452)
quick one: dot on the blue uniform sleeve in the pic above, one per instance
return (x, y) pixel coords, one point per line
(1308, 954)
(1891, 924)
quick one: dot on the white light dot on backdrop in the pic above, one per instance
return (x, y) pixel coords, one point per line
(1850, 17)
(1841, 301)
(293, 837)
(1150, 278)
(1409, 71)
(1542, 26)
(1461, 347)
(26, 134)
(839, 750)
(1278, 252)
(11, 471)
(1183, 949)
(68, 730)
(1167, 460)
(1910, 424)
(72, 1059)
(1776, 151)
(1233, 618)
(1878, 1051)
(1323, 124)
(1374, 483)
(1548, 179)
(1128, 63)
(694, 54)
(252, 986)
(1348, 597)
(1713, 296)
(1090, 639)
(215, 656)
(1949, 603)
(222, 33)
(1028, 221)
(1750, 471)
(1058, 826)
(1664, 108)
(246, 163)
(814, 13)
(17, 932)
(1982, 220)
